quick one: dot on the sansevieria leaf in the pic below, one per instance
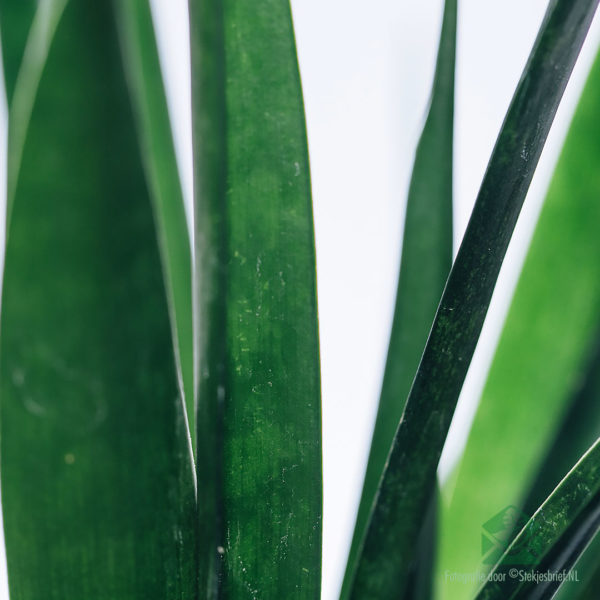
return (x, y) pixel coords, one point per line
(425, 264)
(259, 448)
(552, 539)
(16, 19)
(27, 32)
(543, 353)
(97, 483)
(144, 76)
(580, 427)
(408, 480)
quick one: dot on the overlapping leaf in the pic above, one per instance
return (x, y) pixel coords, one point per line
(552, 539)
(97, 482)
(541, 356)
(147, 88)
(426, 261)
(410, 474)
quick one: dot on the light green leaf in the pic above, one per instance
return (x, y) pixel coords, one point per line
(259, 447)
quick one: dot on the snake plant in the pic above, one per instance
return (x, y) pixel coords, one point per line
(160, 380)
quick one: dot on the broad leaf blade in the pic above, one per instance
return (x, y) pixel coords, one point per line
(410, 474)
(554, 537)
(425, 264)
(145, 80)
(259, 397)
(97, 483)
(542, 352)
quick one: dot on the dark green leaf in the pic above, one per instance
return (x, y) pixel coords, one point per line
(553, 538)
(420, 577)
(145, 79)
(426, 261)
(541, 355)
(585, 585)
(410, 474)
(97, 481)
(259, 449)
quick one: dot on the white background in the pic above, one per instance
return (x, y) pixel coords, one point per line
(366, 71)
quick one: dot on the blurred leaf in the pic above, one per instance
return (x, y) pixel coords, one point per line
(578, 430)
(553, 538)
(97, 482)
(259, 447)
(542, 353)
(25, 56)
(420, 576)
(425, 264)
(145, 79)
(409, 477)
(15, 22)
(587, 570)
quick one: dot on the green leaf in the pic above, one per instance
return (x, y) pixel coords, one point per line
(542, 354)
(578, 430)
(425, 264)
(25, 56)
(420, 577)
(409, 478)
(259, 448)
(585, 585)
(145, 79)
(553, 538)
(98, 491)
(15, 21)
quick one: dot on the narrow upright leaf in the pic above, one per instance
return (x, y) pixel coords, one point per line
(587, 581)
(409, 477)
(97, 482)
(259, 448)
(27, 34)
(15, 22)
(553, 538)
(145, 80)
(579, 429)
(425, 264)
(542, 354)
